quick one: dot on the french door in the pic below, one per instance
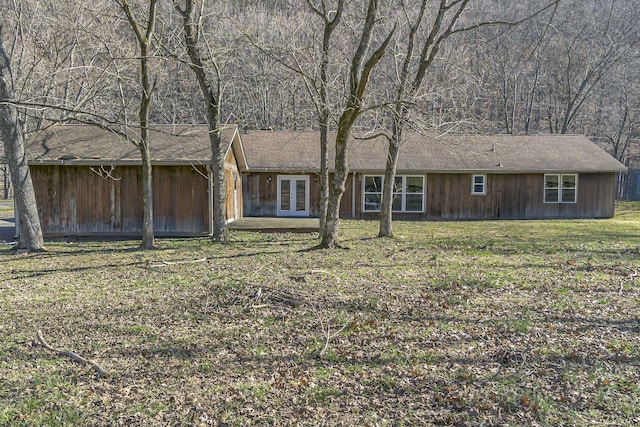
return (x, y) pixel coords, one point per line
(293, 195)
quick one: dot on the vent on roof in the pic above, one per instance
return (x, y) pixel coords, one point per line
(68, 157)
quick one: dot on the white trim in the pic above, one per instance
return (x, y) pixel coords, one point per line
(402, 193)
(484, 185)
(364, 192)
(559, 188)
(210, 178)
(292, 194)
(353, 195)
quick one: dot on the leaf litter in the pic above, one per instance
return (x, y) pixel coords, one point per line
(441, 327)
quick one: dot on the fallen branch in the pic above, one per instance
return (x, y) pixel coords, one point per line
(163, 263)
(328, 335)
(278, 297)
(75, 356)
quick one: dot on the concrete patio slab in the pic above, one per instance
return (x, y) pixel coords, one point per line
(275, 225)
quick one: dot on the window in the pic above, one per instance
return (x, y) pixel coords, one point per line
(372, 193)
(408, 193)
(478, 184)
(560, 188)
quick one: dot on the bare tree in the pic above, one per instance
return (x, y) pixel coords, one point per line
(360, 71)
(144, 37)
(417, 62)
(210, 83)
(12, 134)
(331, 19)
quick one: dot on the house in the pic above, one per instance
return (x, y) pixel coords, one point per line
(446, 177)
(88, 180)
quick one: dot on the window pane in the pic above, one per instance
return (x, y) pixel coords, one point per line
(414, 203)
(301, 192)
(568, 181)
(285, 194)
(372, 202)
(551, 195)
(569, 195)
(397, 185)
(477, 186)
(551, 181)
(373, 184)
(414, 184)
(397, 203)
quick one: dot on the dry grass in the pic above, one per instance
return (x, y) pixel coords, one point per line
(450, 323)
(6, 208)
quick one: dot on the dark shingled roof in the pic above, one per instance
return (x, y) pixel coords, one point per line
(84, 144)
(299, 152)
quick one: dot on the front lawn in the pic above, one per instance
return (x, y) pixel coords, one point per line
(450, 323)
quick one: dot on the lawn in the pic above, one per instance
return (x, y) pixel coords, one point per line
(450, 323)
(6, 208)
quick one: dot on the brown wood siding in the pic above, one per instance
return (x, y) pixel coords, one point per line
(261, 193)
(508, 196)
(448, 196)
(75, 200)
(346, 205)
(180, 199)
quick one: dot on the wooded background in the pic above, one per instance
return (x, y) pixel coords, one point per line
(572, 68)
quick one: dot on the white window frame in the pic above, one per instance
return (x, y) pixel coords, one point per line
(365, 192)
(474, 183)
(293, 212)
(560, 188)
(403, 194)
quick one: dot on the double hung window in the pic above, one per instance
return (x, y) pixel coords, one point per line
(408, 193)
(560, 188)
(478, 185)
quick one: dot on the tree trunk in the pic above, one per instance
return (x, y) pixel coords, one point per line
(148, 238)
(324, 176)
(210, 88)
(145, 37)
(6, 182)
(359, 74)
(11, 133)
(329, 233)
(219, 187)
(386, 209)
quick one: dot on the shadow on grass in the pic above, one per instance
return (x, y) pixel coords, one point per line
(30, 274)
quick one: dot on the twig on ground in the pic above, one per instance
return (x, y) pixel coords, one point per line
(163, 263)
(328, 335)
(631, 277)
(75, 356)
(278, 296)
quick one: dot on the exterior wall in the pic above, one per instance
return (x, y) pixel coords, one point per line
(74, 200)
(448, 196)
(261, 194)
(233, 180)
(508, 196)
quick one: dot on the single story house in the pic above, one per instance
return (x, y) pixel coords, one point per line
(445, 177)
(88, 180)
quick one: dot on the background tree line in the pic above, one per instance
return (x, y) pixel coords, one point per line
(570, 68)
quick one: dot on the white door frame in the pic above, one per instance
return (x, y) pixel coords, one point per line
(293, 195)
